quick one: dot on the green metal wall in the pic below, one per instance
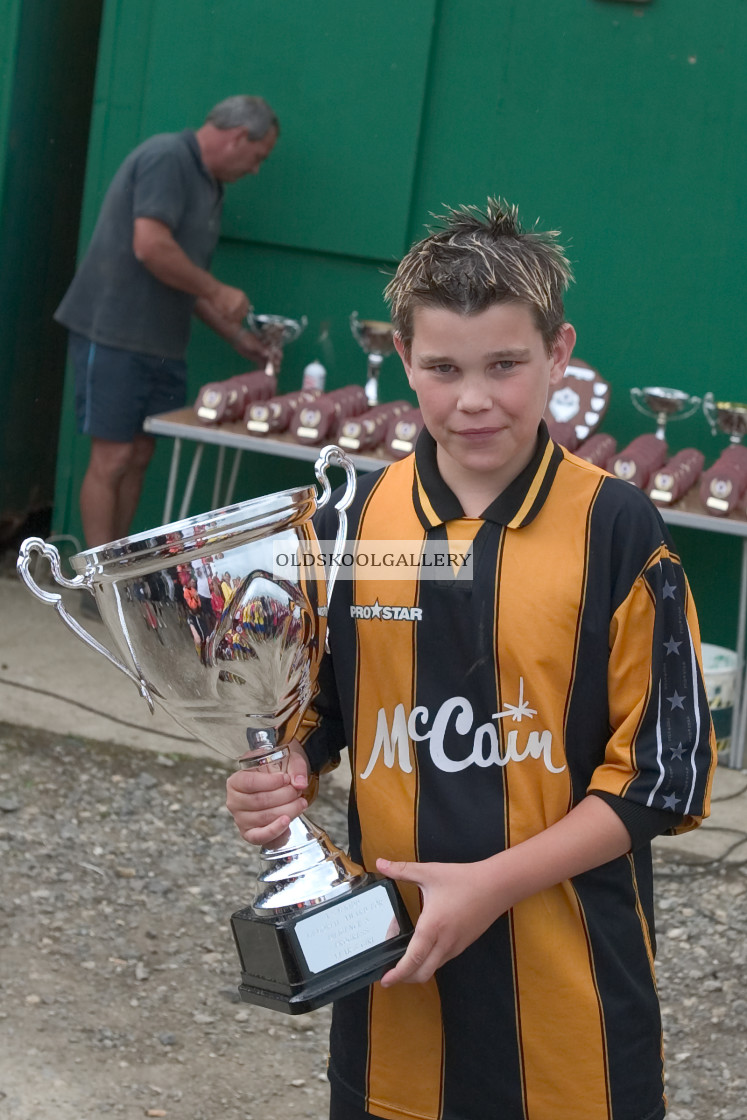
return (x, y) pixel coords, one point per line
(47, 54)
(621, 125)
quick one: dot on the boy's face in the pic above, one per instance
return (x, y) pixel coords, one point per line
(482, 383)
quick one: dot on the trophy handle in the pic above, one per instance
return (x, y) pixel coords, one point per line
(710, 412)
(328, 456)
(636, 397)
(53, 598)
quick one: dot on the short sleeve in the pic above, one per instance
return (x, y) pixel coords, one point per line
(661, 751)
(159, 188)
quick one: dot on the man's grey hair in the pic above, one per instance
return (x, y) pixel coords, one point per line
(477, 259)
(241, 111)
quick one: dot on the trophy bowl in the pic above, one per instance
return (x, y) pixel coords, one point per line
(376, 339)
(240, 679)
(729, 417)
(664, 404)
(276, 331)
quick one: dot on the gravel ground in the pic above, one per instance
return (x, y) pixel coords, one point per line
(118, 972)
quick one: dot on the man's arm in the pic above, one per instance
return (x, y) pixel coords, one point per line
(155, 248)
(242, 340)
(460, 901)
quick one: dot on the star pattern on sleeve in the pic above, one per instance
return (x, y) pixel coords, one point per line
(675, 728)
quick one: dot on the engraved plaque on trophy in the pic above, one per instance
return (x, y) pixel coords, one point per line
(376, 339)
(678, 475)
(273, 416)
(220, 402)
(322, 418)
(367, 431)
(319, 925)
(402, 433)
(638, 462)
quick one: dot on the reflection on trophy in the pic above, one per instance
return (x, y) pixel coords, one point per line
(276, 331)
(376, 339)
(319, 926)
(723, 484)
(664, 405)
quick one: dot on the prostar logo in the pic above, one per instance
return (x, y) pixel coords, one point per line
(378, 610)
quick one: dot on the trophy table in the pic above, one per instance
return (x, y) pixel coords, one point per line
(319, 926)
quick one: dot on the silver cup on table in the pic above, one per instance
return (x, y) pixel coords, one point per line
(729, 417)
(276, 331)
(319, 926)
(664, 405)
(376, 339)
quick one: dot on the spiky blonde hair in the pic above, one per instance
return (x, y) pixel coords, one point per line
(476, 258)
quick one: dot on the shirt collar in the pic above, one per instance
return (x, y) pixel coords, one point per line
(515, 507)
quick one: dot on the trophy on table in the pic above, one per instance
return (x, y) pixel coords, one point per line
(376, 339)
(276, 331)
(639, 462)
(664, 405)
(723, 484)
(319, 926)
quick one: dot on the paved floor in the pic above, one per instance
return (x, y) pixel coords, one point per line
(49, 679)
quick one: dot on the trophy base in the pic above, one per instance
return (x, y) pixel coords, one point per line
(304, 960)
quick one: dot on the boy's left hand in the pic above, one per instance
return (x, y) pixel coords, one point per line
(460, 901)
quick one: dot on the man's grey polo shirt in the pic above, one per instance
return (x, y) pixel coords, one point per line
(115, 300)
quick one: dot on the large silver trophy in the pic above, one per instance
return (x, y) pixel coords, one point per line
(664, 404)
(319, 925)
(276, 331)
(376, 339)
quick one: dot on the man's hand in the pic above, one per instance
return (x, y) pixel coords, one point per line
(460, 901)
(229, 303)
(264, 802)
(253, 348)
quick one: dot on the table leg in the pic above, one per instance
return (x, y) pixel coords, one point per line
(187, 498)
(218, 476)
(171, 487)
(234, 475)
(739, 711)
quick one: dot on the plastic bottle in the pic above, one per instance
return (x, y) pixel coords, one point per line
(314, 376)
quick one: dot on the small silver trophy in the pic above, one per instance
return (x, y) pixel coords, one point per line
(276, 331)
(319, 926)
(663, 405)
(729, 417)
(376, 339)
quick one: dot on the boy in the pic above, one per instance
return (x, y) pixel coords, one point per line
(518, 740)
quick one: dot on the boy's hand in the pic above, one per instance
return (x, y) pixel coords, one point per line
(263, 802)
(460, 901)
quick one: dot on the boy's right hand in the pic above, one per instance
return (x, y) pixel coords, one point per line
(263, 802)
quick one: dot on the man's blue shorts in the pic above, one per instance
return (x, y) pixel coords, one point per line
(116, 389)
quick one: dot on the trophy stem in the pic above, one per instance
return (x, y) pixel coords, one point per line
(303, 868)
(372, 381)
